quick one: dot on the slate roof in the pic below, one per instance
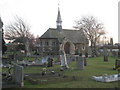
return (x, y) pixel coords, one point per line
(76, 36)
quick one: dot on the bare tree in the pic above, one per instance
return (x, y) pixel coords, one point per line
(18, 31)
(92, 29)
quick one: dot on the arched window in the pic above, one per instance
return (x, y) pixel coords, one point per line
(83, 47)
(41, 43)
(46, 43)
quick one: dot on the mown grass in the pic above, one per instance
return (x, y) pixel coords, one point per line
(95, 66)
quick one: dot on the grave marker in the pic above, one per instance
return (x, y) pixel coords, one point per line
(79, 62)
(105, 54)
(85, 61)
(63, 60)
(18, 75)
(117, 63)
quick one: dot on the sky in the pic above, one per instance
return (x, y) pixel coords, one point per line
(42, 14)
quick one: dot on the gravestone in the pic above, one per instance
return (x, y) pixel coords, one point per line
(77, 52)
(79, 62)
(50, 62)
(105, 58)
(63, 60)
(27, 49)
(11, 57)
(118, 50)
(18, 75)
(105, 54)
(119, 54)
(117, 63)
(85, 61)
(18, 56)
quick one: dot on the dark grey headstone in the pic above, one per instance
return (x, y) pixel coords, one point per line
(117, 63)
(79, 62)
(18, 75)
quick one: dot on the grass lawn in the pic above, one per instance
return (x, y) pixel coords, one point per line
(95, 66)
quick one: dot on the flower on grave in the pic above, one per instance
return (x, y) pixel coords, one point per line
(44, 69)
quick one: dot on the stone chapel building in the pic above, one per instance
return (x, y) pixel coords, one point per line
(55, 39)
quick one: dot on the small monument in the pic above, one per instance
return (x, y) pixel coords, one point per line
(63, 59)
(50, 62)
(18, 75)
(27, 49)
(80, 59)
(105, 53)
(118, 50)
(79, 62)
(117, 63)
(44, 60)
(85, 59)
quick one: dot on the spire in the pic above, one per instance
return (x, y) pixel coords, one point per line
(59, 20)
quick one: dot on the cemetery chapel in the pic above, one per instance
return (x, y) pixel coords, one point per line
(56, 39)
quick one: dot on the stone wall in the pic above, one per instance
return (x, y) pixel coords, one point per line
(49, 46)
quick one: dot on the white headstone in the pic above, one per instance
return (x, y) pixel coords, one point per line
(63, 59)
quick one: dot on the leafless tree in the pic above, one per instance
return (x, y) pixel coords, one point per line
(19, 31)
(92, 29)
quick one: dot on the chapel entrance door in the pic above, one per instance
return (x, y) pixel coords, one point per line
(67, 48)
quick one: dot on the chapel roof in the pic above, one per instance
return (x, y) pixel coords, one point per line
(76, 36)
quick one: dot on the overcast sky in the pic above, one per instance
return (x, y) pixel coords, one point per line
(42, 14)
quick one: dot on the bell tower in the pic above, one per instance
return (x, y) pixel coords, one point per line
(59, 20)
